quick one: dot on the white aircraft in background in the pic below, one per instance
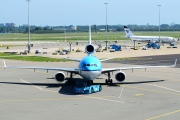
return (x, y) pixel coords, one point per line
(149, 39)
(89, 67)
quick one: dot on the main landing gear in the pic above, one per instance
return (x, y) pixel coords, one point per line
(109, 80)
(71, 81)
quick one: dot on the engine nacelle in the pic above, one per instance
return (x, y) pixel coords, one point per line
(120, 76)
(60, 76)
(89, 49)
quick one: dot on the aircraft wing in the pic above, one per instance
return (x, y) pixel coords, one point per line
(136, 67)
(107, 59)
(72, 70)
(72, 59)
(76, 60)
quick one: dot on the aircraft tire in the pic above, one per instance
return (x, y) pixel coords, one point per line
(92, 90)
(100, 88)
(106, 81)
(111, 81)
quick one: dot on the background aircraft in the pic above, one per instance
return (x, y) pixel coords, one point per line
(148, 39)
(89, 67)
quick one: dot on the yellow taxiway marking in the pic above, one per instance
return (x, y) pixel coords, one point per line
(48, 99)
(163, 115)
(152, 90)
(137, 95)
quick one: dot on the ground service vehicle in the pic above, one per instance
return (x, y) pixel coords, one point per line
(153, 45)
(115, 47)
(84, 88)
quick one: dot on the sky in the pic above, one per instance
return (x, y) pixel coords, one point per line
(89, 12)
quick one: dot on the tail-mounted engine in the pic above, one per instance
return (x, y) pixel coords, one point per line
(60, 76)
(89, 49)
(120, 76)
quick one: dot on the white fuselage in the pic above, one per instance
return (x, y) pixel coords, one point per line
(90, 75)
(153, 39)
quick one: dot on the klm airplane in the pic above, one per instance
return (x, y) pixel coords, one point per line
(90, 67)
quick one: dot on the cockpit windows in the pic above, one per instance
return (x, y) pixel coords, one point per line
(90, 65)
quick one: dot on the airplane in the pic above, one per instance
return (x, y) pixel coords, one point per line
(89, 67)
(149, 39)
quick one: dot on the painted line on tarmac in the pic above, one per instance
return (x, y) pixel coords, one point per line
(121, 91)
(117, 101)
(39, 88)
(163, 87)
(31, 84)
(174, 79)
(152, 90)
(38, 99)
(163, 115)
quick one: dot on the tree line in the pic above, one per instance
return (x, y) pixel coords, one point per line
(85, 28)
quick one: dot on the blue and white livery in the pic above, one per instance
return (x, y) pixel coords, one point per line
(89, 67)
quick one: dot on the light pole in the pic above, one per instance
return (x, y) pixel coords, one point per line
(106, 26)
(159, 23)
(29, 44)
(64, 33)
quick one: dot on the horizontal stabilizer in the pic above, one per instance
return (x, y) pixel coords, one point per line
(71, 59)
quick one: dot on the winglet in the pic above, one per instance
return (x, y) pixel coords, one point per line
(4, 64)
(175, 63)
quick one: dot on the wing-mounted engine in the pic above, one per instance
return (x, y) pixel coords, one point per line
(89, 49)
(120, 76)
(60, 76)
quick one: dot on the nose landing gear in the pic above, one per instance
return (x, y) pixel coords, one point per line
(109, 80)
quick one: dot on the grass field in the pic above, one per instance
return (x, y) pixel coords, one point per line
(80, 36)
(30, 58)
(42, 59)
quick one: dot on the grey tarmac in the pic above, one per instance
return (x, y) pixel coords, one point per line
(153, 94)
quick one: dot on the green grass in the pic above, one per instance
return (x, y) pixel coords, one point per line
(81, 36)
(43, 59)
(60, 37)
(30, 58)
